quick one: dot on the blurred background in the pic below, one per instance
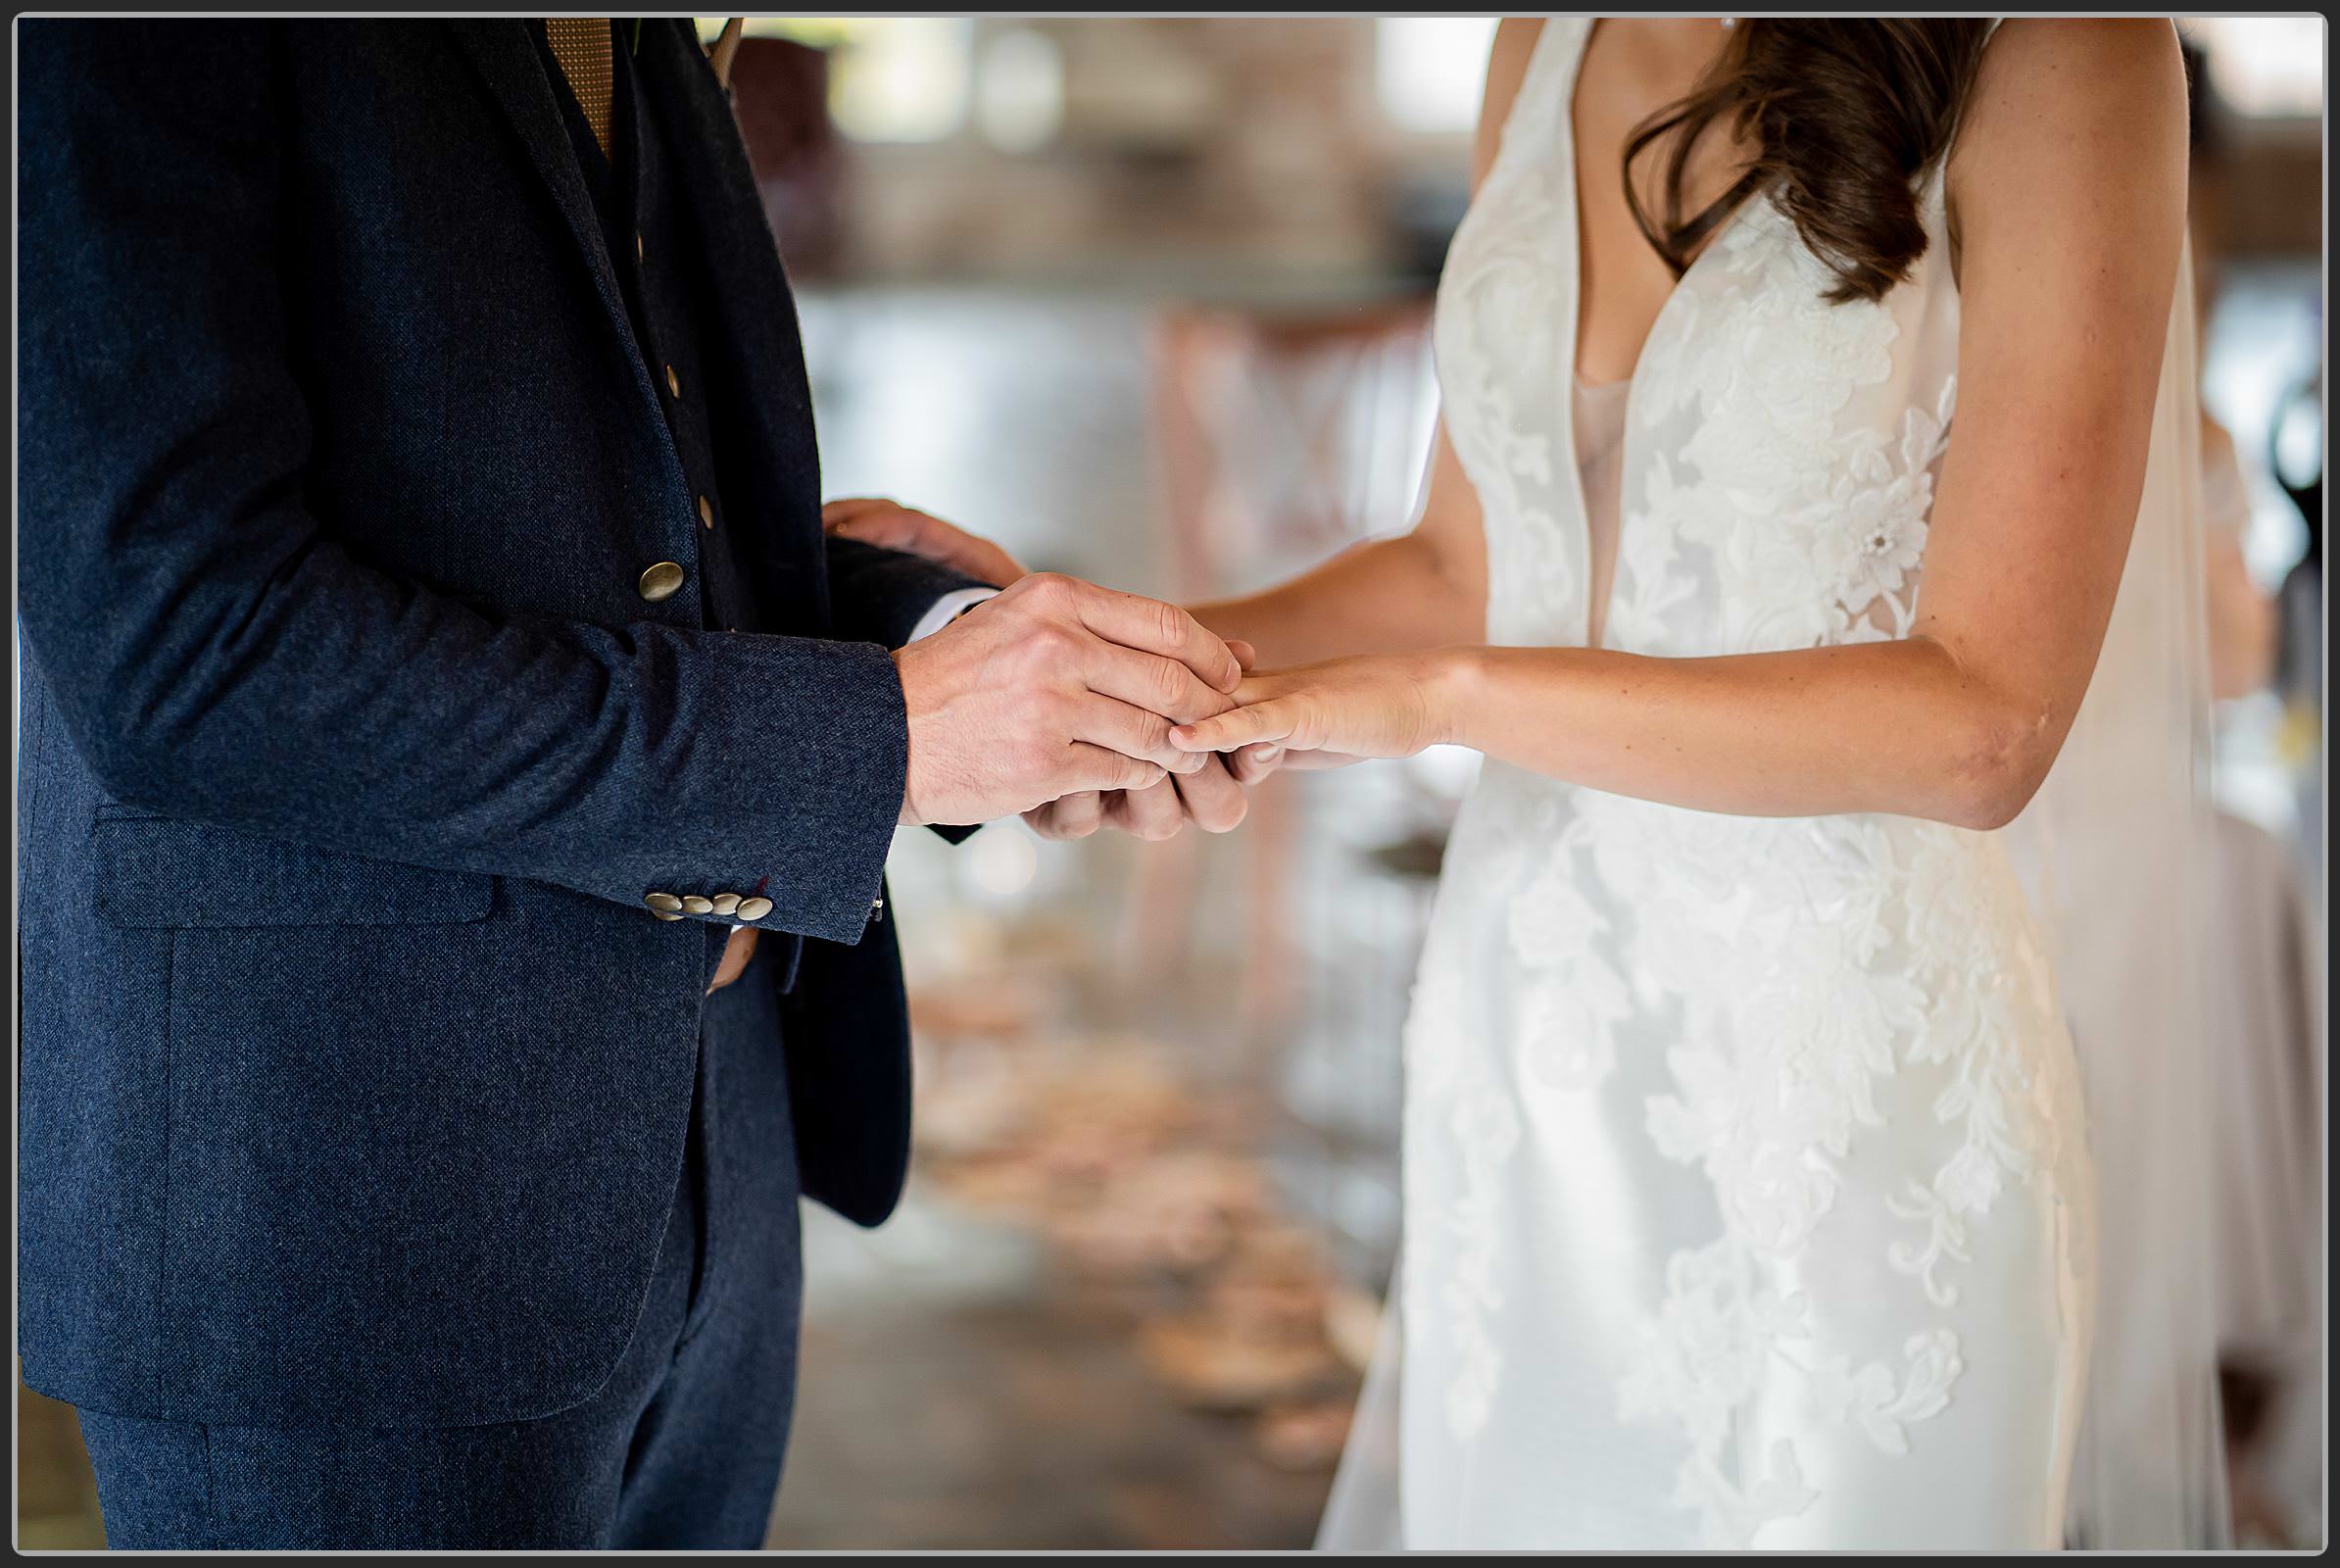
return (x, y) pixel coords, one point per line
(1145, 300)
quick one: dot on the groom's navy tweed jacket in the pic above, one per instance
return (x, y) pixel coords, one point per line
(355, 1070)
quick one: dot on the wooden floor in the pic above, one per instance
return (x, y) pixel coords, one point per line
(57, 1508)
(1012, 1423)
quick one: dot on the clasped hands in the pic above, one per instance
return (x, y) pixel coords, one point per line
(1080, 707)
(1055, 698)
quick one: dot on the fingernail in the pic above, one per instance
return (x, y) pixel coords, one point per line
(1265, 754)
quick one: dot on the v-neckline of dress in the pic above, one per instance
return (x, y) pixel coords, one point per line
(1576, 230)
(1574, 219)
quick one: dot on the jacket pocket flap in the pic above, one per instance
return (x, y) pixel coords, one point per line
(157, 872)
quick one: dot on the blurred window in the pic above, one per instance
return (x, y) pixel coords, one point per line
(1019, 98)
(2264, 66)
(1430, 70)
(891, 78)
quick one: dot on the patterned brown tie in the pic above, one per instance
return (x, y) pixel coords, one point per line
(582, 46)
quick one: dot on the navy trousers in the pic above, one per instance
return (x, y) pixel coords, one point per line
(681, 1447)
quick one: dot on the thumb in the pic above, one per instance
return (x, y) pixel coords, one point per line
(1251, 764)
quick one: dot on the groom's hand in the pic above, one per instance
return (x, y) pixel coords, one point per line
(1054, 688)
(1213, 798)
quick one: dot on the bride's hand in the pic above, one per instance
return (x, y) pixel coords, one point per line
(894, 526)
(1377, 706)
(1215, 797)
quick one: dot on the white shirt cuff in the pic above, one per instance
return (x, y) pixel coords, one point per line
(947, 608)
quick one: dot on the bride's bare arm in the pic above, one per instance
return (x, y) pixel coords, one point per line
(1423, 589)
(1418, 590)
(2068, 187)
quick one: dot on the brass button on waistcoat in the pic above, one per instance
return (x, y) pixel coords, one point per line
(638, 245)
(706, 513)
(673, 384)
(659, 580)
(755, 908)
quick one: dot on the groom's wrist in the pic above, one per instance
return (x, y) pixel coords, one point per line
(947, 608)
(909, 817)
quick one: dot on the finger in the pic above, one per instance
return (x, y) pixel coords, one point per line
(1270, 720)
(1095, 767)
(1253, 763)
(888, 530)
(1244, 654)
(893, 527)
(1132, 731)
(1213, 797)
(889, 523)
(988, 563)
(916, 533)
(738, 949)
(847, 508)
(1152, 814)
(1150, 681)
(1154, 627)
(1075, 816)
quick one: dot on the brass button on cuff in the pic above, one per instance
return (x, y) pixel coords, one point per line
(706, 513)
(697, 905)
(663, 903)
(755, 908)
(666, 914)
(659, 580)
(724, 903)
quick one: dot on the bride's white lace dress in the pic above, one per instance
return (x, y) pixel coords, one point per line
(1746, 1191)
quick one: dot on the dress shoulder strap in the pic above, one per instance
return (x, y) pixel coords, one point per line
(1538, 105)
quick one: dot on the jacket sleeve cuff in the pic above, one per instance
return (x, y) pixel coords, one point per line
(796, 758)
(879, 595)
(947, 608)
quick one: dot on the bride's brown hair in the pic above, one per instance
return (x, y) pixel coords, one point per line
(1845, 116)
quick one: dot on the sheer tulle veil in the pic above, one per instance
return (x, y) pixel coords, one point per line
(2112, 853)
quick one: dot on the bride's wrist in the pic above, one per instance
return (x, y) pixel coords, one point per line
(1452, 682)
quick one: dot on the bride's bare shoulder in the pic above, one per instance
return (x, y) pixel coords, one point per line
(2047, 83)
(2066, 111)
(1506, 65)
(2085, 54)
